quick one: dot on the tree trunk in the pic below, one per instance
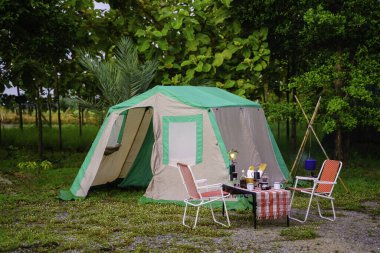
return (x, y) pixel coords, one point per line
(294, 123)
(35, 114)
(80, 120)
(287, 118)
(338, 144)
(49, 106)
(1, 120)
(338, 84)
(39, 124)
(20, 110)
(59, 115)
(83, 113)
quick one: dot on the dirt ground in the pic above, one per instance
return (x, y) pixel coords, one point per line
(351, 232)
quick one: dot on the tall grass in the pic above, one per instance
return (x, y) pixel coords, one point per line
(69, 116)
(27, 138)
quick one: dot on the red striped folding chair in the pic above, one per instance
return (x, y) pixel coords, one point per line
(201, 195)
(323, 187)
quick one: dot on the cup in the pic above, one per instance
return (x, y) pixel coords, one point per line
(250, 187)
(277, 185)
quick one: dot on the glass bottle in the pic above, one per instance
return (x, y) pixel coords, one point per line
(243, 180)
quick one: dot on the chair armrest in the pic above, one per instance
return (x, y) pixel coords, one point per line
(306, 178)
(210, 186)
(201, 181)
(325, 182)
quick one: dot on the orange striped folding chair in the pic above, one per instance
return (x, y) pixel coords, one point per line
(323, 187)
(201, 195)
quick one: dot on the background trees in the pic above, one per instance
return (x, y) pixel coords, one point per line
(322, 48)
(342, 65)
(36, 37)
(267, 50)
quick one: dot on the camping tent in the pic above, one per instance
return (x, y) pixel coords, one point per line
(143, 138)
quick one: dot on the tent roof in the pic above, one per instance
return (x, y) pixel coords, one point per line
(196, 96)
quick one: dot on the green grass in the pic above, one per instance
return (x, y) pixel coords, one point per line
(33, 219)
(14, 138)
(300, 233)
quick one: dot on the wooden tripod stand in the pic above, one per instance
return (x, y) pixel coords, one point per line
(307, 133)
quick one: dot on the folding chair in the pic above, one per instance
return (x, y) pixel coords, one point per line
(323, 187)
(212, 193)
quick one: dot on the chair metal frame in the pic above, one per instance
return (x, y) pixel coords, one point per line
(204, 194)
(314, 192)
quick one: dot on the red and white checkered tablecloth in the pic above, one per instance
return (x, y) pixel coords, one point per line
(272, 204)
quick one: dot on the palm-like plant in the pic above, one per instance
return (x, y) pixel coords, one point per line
(122, 76)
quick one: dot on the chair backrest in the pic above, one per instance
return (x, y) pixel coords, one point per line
(188, 180)
(329, 172)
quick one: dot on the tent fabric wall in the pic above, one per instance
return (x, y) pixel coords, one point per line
(280, 159)
(166, 182)
(245, 130)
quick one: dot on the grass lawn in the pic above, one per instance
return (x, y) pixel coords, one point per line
(32, 218)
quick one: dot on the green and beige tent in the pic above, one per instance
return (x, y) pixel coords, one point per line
(143, 138)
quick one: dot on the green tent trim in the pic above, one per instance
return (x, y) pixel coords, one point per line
(67, 195)
(194, 96)
(279, 157)
(140, 173)
(219, 138)
(76, 184)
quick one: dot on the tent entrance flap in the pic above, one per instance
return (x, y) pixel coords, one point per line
(140, 173)
(137, 142)
(111, 164)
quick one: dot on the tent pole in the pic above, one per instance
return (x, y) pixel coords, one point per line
(316, 137)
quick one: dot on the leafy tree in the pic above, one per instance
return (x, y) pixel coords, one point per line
(328, 48)
(122, 76)
(343, 65)
(199, 43)
(284, 20)
(35, 37)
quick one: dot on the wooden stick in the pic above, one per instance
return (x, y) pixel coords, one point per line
(311, 127)
(316, 137)
(296, 161)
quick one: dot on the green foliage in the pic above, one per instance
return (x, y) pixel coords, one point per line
(122, 76)
(198, 40)
(33, 166)
(357, 99)
(321, 21)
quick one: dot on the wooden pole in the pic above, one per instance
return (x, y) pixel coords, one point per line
(310, 125)
(298, 157)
